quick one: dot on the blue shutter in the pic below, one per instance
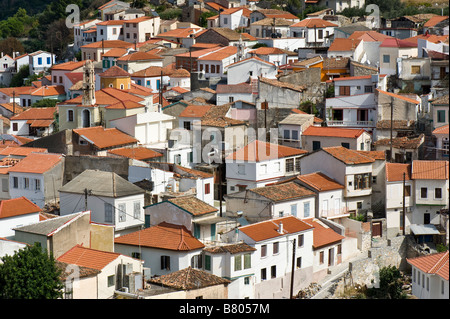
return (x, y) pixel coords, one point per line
(197, 231)
(213, 231)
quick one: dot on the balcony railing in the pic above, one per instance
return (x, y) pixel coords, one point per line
(330, 213)
(351, 123)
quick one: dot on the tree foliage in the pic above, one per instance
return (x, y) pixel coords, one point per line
(390, 284)
(18, 79)
(30, 274)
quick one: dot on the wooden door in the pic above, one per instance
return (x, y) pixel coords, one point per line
(376, 229)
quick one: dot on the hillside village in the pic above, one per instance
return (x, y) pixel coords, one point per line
(250, 158)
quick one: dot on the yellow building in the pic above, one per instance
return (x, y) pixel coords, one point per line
(115, 77)
(330, 67)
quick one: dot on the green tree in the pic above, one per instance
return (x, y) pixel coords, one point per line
(45, 103)
(390, 284)
(204, 16)
(30, 274)
(18, 79)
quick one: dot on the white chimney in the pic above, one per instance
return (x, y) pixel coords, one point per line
(280, 228)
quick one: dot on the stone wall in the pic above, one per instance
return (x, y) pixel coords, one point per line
(315, 89)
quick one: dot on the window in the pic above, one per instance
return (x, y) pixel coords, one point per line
(320, 34)
(300, 240)
(49, 60)
(273, 271)
(101, 31)
(5, 185)
(368, 89)
(247, 261)
(207, 188)
(263, 274)
(423, 192)
(206, 68)
(278, 167)
(322, 255)
(230, 99)
(165, 262)
(280, 213)
(70, 116)
(241, 169)
(114, 30)
(287, 134)
(414, 275)
(39, 61)
(438, 193)
(136, 255)
(418, 278)
(344, 90)
(423, 280)
(289, 165)
(122, 213)
(213, 68)
(363, 181)
(207, 262)
(306, 209)
(111, 280)
(136, 210)
(386, 58)
(263, 168)
(276, 248)
(442, 287)
(148, 83)
(263, 251)
(15, 127)
(295, 135)
(428, 283)
(246, 280)
(359, 205)
(415, 69)
(108, 213)
(15, 182)
(346, 145)
(37, 184)
(315, 145)
(26, 183)
(441, 116)
(177, 159)
(339, 249)
(196, 261)
(237, 262)
(294, 210)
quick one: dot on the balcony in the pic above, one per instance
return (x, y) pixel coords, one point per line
(370, 124)
(335, 213)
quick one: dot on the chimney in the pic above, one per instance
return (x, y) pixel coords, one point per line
(280, 228)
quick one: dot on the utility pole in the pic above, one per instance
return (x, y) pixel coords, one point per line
(292, 271)
(392, 123)
(220, 187)
(404, 206)
(160, 90)
(86, 192)
(14, 102)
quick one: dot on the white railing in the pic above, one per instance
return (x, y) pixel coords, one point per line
(334, 212)
(351, 123)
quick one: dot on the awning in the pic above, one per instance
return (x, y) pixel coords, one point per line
(427, 229)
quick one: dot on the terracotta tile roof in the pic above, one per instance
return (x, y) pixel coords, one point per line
(229, 34)
(333, 132)
(269, 229)
(125, 105)
(442, 130)
(245, 12)
(308, 62)
(283, 85)
(21, 151)
(111, 22)
(162, 236)
(83, 272)
(436, 264)
(347, 156)
(397, 43)
(193, 205)
(180, 73)
(189, 172)
(189, 279)
(114, 72)
(139, 153)
(115, 52)
(376, 155)
(215, 6)
(316, 119)
(320, 181)
(266, 51)
(219, 54)
(314, 23)
(109, 44)
(37, 163)
(179, 33)
(250, 58)
(221, 121)
(74, 77)
(36, 113)
(105, 138)
(140, 19)
(284, 15)
(139, 56)
(17, 207)
(398, 96)
(13, 108)
(402, 142)
(336, 63)
(230, 248)
(17, 90)
(269, 21)
(106, 96)
(322, 234)
(68, 66)
(369, 36)
(49, 90)
(434, 20)
(396, 125)
(283, 192)
(258, 151)
(88, 257)
(430, 169)
(443, 100)
(394, 172)
(195, 111)
(344, 44)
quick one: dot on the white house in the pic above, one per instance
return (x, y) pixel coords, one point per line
(151, 78)
(37, 177)
(228, 93)
(339, 5)
(260, 163)
(215, 64)
(273, 201)
(234, 18)
(272, 55)
(390, 50)
(110, 30)
(430, 276)
(274, 241)
(440, 111)
(396, 221)
(292, 127)
(36, 121)
(137, 61)
(40, 61)
(141, 29)
(349, 168)
(17, 212)
(316, 137)
(112, 267)
(430, 190)
(6, 69)
(112, 199)
(253, 67)
(164, 247)
(442, 142)
(78, 31)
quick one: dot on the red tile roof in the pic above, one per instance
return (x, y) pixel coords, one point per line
(394, 172)
(283, 192)
(17, 206)
(88, 257)
(333, 132)
(434, 20)
(139, 56)
(163, 236)
(344, 44)
(398, 96)
(219, 54)
(111, 22)
(436, 264)
(114, 72)
(105, 138)
(320, 181)
(266, 51)
(258, 151)
(269, 229)
(69, 66)
(49, 90)
(195, 111)
(322, 234)
(21, 151)
(193, 205)
(442, 130)
(139, 153)
(37, 163)
(314, 23)
(36, 113)
(115, 52)
(350, 157)
(397, 43)
(430, 170)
